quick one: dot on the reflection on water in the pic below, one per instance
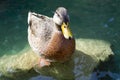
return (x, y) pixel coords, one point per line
(93, 19)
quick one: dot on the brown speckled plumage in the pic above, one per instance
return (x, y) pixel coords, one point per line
(59, 48)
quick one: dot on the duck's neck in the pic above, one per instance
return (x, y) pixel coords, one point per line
(58, 27)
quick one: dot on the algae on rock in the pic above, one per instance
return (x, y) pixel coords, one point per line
(87, 55)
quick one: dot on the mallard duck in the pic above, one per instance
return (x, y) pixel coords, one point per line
(51, 38)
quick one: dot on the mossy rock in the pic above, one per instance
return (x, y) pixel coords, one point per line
(87, 55)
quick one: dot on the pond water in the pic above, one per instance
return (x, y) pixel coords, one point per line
(89, 19)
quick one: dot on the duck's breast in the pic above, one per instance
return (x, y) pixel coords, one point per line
(59, 48)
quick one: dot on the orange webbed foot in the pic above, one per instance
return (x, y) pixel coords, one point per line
(43, 62)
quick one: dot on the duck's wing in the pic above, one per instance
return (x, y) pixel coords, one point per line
(40, 25)
(39, 31)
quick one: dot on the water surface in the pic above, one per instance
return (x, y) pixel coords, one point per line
(89, 19)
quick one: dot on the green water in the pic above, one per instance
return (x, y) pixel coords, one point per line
(89, 19)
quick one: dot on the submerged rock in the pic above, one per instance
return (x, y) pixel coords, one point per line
(87, 55)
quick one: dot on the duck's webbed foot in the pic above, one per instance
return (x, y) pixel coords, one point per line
(43, 62)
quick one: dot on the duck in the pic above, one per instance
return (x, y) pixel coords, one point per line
(51, 37)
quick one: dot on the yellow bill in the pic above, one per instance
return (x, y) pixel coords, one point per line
(66, 31)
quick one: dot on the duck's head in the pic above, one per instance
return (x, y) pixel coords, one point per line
(61, 18)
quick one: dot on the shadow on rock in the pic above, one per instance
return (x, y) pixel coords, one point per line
(80, 65)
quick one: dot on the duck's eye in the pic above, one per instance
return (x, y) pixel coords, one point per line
(57, 14)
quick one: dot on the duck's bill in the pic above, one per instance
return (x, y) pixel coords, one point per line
(66, 31)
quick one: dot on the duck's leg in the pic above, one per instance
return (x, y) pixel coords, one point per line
(43, 62)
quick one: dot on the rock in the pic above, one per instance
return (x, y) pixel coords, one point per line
(87, 55)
